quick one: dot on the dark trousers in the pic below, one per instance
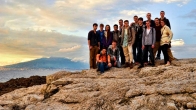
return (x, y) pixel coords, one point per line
(148, 48)
(159, 52)
(102, 66)
(101, 47)
(137, 56)
(164, 49)
(122, 55)
(93, 52)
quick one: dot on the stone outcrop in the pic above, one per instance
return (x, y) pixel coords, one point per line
(151, 88)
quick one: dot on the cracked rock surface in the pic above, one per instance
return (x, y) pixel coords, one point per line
(151, 88)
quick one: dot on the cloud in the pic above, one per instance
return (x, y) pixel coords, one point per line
(180, 2)
(70, 49)
(192, 24)
(29, 44)
(177, 42)
(191, 14)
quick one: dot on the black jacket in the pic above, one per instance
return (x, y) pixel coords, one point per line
(166, 22)
(112, 53)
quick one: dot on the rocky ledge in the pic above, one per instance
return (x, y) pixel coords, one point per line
(151, 88)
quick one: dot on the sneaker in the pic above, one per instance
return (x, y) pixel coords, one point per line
(141, 66)
(157, 58)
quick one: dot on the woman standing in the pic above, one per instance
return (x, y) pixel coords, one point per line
(108, 37)
(165, 41)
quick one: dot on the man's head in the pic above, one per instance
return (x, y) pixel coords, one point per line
(140, 21)
(115, 27)
(95, 26)
(162, 22)
(103, 51)
(147, 23)
(114, 43)
(120, 22)
(126, 23)
(135, 18)
(148, 15)
(162, 13)
(101, 26)
(156, 20)
(107, 27)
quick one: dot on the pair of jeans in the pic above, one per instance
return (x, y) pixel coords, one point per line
(164, 49)
(148, 48)
(102, 66)
(137, 56)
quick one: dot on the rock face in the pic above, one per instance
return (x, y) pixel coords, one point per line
(151, 88)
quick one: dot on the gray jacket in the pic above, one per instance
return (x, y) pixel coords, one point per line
(131, 35)
(149, 39)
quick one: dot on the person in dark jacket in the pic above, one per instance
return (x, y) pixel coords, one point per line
(162, 14)
(94, 46)
(108, 37)
(158, 36)
(114, 53)
(152, 24)
(101, 35)
(138, 41)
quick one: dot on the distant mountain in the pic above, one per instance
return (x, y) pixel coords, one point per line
(51, 63)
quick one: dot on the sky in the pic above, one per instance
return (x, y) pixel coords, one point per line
(31, 29)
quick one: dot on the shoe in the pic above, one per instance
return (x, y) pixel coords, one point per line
(141, 66)
(157, 58)
(153, 65)
(126, 65)
(131, 65)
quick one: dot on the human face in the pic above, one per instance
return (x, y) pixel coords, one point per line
(114, 44)
(135, 19)
(148, 24)
(121, 23)
(148, 16)
(103, 51)
(95, 27)
(101, 27)
(140, 22)
(126, 24)
(162, 14)
(162, 23)
(156, 21)
(107, 28)
(115, 28)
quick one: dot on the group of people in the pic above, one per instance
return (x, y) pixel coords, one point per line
(130, 44)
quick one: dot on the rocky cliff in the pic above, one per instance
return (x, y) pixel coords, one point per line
(151, 88)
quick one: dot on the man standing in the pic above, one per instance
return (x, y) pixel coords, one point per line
(135, 26)
(94, 46)
(121, 49)
(152, 24)
(120, 25)
(148, 41)
(128, 39)
(158, 36)
(171, 57)
(114, 54)
(138, 42)
(162, 14)
(101, 35)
